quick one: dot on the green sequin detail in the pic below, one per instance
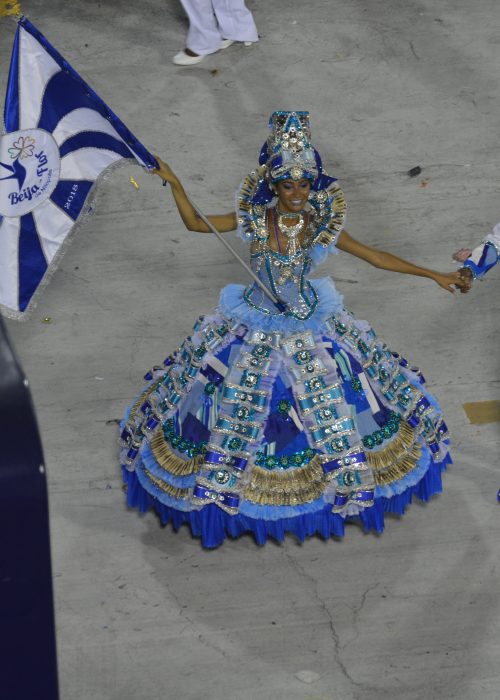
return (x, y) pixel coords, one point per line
(298, 459)
(356, 385)
(383, 433)
(188, 447)
(284, 406)
(199, 352)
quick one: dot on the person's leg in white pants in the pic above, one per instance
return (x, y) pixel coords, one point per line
(203, 35)
(235, 20)
(232, 20)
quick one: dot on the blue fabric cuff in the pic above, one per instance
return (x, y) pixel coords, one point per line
(483, 260)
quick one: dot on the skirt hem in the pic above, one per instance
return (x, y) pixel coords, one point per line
(213, 525)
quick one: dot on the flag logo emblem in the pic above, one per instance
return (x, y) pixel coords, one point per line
(29, 170)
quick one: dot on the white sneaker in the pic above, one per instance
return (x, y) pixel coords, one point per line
(225, 43)
(184, 59)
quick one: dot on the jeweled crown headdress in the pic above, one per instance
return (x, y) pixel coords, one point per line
(289, 154)
(288, 151)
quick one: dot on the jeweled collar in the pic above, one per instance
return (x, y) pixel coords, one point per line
(327, 203)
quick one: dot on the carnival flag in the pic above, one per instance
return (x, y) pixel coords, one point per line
(60, 139)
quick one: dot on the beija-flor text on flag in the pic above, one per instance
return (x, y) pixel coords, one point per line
(60, 139)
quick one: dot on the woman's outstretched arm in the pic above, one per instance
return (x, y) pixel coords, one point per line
(222, 222)
(388, 261)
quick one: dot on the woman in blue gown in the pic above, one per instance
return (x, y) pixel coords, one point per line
(291, 418)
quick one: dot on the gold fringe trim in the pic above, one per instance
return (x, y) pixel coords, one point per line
(292, 479)
(10, 7)
(397, 459)
(290, 488)
(142, 398)
(394, 472)
(170, 461)
(283, 488)
(394, 451)
(173, 491)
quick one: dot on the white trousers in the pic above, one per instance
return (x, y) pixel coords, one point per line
(210, 21)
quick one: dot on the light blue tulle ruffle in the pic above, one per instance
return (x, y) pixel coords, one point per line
(416, 474)
(252, 510)
(150, 463)
(143, 490)
(233, 305)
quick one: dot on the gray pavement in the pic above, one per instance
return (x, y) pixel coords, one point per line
(146, 613)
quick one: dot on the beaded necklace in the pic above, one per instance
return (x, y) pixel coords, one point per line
(291, 232)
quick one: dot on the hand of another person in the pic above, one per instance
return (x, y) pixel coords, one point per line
(462, 254)
(467, 276)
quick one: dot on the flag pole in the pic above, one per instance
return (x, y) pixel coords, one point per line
(279, 303)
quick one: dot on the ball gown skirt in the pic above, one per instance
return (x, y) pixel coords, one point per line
(272, 425)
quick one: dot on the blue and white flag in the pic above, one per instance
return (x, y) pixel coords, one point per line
(60, 138)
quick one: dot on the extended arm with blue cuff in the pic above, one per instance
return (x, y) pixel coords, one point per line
(486, 255)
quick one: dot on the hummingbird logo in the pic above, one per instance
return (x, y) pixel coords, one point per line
(29, 170)
(17, 172)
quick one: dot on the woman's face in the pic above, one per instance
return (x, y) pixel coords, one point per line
(293, 194)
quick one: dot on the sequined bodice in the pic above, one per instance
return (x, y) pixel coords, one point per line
(286, 277)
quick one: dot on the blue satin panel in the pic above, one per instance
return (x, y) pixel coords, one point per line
(63, 191)
(62, 96)
(488, 259)
(32, 263)
(237, 394)
(93, 139)
(68, 91)
(356, 458)
(11, 109)
(225, 497)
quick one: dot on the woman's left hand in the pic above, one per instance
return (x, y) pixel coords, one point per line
(452, 281)
(165, 172)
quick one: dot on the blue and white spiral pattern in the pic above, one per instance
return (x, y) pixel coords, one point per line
(44, 92)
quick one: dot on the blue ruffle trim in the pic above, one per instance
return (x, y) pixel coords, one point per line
(232, 305)
(258, 512)
(150, 463)
(213, 525)
(397, 487)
